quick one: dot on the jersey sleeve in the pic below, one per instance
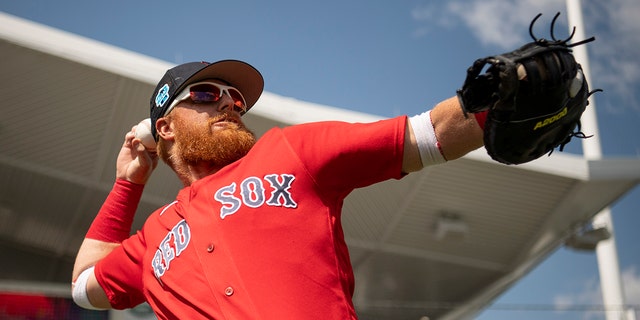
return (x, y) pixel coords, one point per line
(120, 273)
(342, 156)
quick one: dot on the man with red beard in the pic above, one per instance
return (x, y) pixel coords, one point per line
(255, 233)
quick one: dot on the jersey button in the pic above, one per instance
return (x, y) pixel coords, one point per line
(210, 247)
(228, 291)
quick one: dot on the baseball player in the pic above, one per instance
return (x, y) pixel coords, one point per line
(256, 231)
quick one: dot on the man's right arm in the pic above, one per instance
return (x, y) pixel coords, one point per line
(113, 223)
(93, 292)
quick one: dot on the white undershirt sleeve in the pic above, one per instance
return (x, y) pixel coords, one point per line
(430, 152)
(79, 291)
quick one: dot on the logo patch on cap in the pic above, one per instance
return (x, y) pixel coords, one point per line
(162, 96)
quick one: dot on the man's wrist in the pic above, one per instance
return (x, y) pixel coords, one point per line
(115, 218)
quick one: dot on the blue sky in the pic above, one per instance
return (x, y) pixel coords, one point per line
(390, 58)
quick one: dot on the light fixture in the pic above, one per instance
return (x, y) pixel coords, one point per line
(587, 240)
(449, 223)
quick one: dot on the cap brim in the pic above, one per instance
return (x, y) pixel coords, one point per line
(238, 74)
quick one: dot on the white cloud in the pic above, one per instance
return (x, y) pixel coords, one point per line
(631, 283)
(616, 66)
(591, 295)
(504, 24)
(497, 23)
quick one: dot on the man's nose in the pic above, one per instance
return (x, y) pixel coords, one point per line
(225, 103)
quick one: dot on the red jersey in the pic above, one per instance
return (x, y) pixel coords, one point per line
(261, 238)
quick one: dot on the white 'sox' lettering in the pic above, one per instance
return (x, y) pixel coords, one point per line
(253, 194)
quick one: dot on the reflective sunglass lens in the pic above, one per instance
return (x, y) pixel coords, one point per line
(197, 96)
(205, 92)
(238, 99)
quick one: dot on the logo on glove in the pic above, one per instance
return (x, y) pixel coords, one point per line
(550, 120)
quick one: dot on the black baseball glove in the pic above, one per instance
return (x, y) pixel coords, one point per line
(534, 95)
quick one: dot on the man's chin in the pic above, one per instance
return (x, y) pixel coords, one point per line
(220, 149)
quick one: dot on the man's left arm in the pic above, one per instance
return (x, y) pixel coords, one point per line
(444, 132)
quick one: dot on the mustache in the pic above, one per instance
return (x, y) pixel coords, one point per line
(227, 116)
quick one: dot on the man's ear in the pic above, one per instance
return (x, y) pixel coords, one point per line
(165, 129)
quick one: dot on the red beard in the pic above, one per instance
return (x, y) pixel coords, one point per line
(195, 143)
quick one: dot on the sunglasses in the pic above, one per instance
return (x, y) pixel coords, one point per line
(207, 92)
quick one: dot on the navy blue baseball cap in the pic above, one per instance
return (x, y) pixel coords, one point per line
(238, 74)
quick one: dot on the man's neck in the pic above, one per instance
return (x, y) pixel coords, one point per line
(190, 173)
